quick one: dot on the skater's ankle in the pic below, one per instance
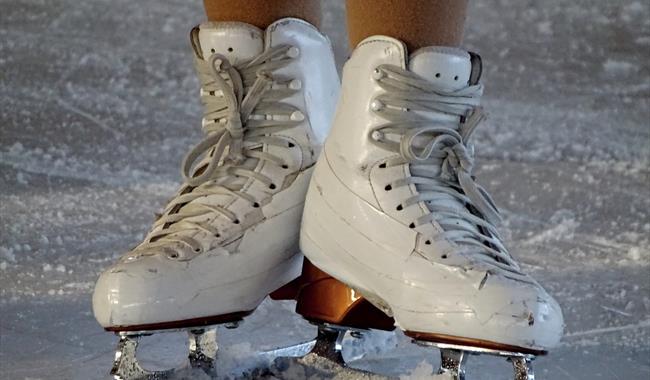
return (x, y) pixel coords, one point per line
(418, 24)
(262, 13)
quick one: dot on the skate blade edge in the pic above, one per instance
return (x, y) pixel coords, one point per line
(472, 345)
(182, 324)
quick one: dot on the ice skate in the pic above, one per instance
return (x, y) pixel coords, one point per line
(230, 235)
(394, 212)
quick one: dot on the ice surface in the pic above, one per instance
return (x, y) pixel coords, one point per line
(99, 103)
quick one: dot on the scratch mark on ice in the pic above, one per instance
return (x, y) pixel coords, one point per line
(615, 311)
(604, 330)
(564, 371)
(117, 134)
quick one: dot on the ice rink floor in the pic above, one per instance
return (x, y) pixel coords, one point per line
(98, 103)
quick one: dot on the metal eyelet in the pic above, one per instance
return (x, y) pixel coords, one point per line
(376, 105)
(377, 74)
(297, 116)
(377, 136)
(295, 84)
(293, 52)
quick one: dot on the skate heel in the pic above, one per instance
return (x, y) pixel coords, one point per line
(324, 299)
(336, 309)
(332, 306)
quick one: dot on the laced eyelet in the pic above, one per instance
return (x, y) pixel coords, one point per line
(399, 208)
(376, 105)
(295, 84)
(297, 116)
(272, 186)
(388, 188)
(377, 136)
(293, 52)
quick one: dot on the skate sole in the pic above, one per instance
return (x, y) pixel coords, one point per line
(451, 340)
(183, 324)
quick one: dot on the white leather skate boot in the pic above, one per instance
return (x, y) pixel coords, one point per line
(394, 212)
(230, 235)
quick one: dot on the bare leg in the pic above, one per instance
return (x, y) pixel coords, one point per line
(418, 23)
(262, 13)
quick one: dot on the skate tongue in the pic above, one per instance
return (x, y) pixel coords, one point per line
(237, 41)
(448, 67)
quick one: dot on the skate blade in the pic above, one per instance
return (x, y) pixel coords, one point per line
(467, 344)
(473, 349)
(326, 332)
(327, 345)
(202, 356)
(453, 358)
(293, 351)
(320, 358)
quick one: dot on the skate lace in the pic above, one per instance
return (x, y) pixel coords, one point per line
(242, 111)
(423, 130)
